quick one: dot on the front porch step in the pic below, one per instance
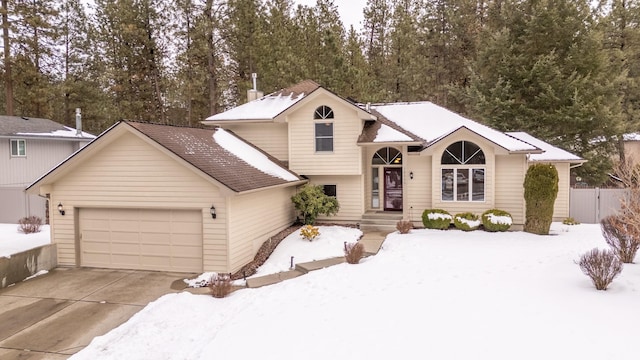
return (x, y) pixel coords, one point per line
(380, 221)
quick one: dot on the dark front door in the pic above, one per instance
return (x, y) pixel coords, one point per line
(393, 189)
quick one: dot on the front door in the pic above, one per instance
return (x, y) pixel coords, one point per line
(393, 189)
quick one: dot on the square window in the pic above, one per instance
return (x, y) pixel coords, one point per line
(462, 184)
(330, 190)
(18, 147)
(324, 136)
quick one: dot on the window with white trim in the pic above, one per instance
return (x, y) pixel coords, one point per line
(18, 147)
(462, 172)
(324, 129)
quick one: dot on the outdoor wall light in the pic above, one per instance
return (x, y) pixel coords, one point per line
(411, 175)
(213, 212)
(60, 209)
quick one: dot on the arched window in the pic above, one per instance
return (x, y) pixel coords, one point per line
(463, 172)
(387, 156)
(323, 112)
(324, 129)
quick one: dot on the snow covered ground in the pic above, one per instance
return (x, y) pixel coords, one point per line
(13, 241)
(426, 295)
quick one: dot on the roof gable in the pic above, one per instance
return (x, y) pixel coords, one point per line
(214, 156)
(11, 126)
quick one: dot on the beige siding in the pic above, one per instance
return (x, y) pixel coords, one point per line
(270, 137)
(561, 206)
(350, 195)
(418, 193)
(454, 207)
(510, 172)
(253, 218)
(345, 159)
(42, 155)
(632, 150)
(131, 173)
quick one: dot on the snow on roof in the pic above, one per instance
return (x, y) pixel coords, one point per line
(432, 122)
(631, 137)
(551, 153)
(388, 134)
(251, 155)
(66, 133)
(267, 107)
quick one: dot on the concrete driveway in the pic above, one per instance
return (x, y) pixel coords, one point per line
(56, 315)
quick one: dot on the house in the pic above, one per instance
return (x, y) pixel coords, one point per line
(30, 147)
(159, 197)
(396, 157)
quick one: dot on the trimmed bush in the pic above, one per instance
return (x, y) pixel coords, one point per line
(436, 219)
(570, 221)
(353, 252)
(220, 285)
(602, 266)
(623, 238)
(309, 232)
(494, 220)
(30, 224)
(404, 226)
(466, 221)
(311, 201)
(540, 192)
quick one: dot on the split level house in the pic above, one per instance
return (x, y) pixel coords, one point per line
(30, 147)
(157, 197)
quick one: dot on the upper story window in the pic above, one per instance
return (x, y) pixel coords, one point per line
(324, 129)
(18, 147)
(462, 172)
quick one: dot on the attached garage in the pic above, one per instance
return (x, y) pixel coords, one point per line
(157, 197)
(141, 239)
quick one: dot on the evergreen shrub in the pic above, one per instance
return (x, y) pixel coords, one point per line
(540, 192)
(494, 220)
(466, 221)
(311, 201)
(436, 219)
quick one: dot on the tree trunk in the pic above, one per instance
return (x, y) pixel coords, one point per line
(8, 80)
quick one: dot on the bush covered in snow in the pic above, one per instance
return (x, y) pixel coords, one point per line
(30, 224)
(466, 221)
(602, 266)
(436, 219)
(496, 220)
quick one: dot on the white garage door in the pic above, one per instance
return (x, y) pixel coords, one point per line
(167, 240)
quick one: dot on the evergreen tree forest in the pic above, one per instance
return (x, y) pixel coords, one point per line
(566, 71)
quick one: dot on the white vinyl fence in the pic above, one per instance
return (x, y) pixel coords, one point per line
(592, 205)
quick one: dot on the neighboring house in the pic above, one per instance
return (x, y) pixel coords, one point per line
(31, 146)
(396, 157)
(159, 197)
(632, 146)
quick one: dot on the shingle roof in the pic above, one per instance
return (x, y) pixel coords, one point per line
(37, 127)
(551, 153)
(199, 148)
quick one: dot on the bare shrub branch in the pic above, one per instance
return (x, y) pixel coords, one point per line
(602, 266)
(30, 224)
(621, 236)
(220, 285)
(404, 226)
(353, 252)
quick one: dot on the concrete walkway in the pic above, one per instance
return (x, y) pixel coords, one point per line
(56, 315)
(372, 243)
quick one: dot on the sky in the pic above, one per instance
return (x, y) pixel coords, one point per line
(350, 11)
(430, 294)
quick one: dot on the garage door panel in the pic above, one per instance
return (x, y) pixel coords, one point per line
(141, 239)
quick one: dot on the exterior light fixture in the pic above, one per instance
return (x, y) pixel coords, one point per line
(411, 175)
(213, 212)
(60, 209)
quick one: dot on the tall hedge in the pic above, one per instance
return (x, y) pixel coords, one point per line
(540, 192)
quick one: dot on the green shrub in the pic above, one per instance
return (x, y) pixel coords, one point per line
(540, 191)
(570, 221)
(311, 201)
(436, 219)
(466, 221)
(496, 220)
(309, 232)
